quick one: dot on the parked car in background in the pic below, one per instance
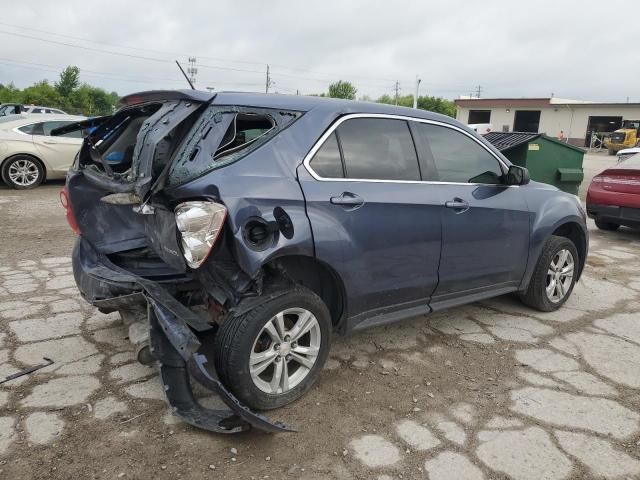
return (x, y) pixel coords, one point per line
(18, 108)
(613, 197)
(29, 153)
(263, 223)
(627, 153)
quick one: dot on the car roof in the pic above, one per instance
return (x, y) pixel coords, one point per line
(627, 151)
(21, 119)
(302, 103)
(38, 106)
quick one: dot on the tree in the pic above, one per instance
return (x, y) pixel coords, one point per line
(89, 101)
(342, 89)
(10, 94)
(41, 93)
(69, 81)
(433, 104)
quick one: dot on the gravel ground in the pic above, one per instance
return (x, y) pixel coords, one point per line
(490, 390)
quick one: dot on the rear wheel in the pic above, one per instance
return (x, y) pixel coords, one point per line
(611, 151)
(22, 172)
(609, 226)
(271, 355)
(554, 276)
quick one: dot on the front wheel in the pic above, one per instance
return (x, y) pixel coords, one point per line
(554, 276)
(271, 355)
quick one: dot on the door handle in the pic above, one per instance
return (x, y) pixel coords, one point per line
(457, 204)
(49, 141)
(347, 199)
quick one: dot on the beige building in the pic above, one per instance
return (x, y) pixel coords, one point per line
(575, 118)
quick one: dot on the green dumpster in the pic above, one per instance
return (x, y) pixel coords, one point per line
(547, 159)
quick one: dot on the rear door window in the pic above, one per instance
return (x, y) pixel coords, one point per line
(28, 129)
(457, 157)
(47, 127)
(379, 149)
(327, 162)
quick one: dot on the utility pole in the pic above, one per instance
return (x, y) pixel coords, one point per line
(268, 83)
(192, 70)
(478, 91)
(397, 88)
(415, 98)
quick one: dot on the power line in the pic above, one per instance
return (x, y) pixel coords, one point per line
(107, 75)
(167, 60)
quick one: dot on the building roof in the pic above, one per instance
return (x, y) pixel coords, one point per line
(480, 103)
(506, 140)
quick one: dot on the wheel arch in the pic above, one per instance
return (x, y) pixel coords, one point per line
(574, 232)
(318, 277)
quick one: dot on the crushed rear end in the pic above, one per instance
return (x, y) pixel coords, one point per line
(139, 243)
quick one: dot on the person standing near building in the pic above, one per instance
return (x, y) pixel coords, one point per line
(561, 136)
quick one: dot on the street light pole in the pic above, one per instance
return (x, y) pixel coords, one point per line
(415, 97)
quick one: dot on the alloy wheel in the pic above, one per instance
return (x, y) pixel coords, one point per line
(285, 350)
(560, 275)
(23, 172)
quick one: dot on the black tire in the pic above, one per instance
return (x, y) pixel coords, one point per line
(611, 151)
(608, 226)
(235, 340)
(32, 163)
(536, 295)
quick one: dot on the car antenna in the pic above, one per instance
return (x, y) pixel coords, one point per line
(185, 75)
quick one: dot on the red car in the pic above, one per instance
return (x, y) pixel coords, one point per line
(613, 198)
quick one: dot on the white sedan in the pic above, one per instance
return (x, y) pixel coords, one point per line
(29, 154)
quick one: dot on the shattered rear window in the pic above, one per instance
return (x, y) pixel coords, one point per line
(223, 135)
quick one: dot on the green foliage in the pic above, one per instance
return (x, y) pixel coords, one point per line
(10, 94)
(341, 89)
(67, 94)
(433, 104)
(41, 93)
(69, 81)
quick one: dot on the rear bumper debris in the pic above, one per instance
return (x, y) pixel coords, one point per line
(173, 343)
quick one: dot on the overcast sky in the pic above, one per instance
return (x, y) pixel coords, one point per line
(510, 49)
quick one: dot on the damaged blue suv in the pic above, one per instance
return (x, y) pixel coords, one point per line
(238, 232)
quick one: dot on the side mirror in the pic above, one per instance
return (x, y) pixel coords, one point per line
(517, 176)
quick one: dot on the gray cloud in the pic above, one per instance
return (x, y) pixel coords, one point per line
(511, 49)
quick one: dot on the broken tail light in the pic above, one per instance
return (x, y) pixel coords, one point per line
(71, 218)
(200, 224)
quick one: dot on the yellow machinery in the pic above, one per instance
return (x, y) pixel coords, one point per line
(625, 137)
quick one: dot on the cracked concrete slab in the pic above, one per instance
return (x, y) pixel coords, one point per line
(55, 326)
(611, 357)
(375, 451)
(586, 383)
(7, 433)
(452, 465)
(545, 360)
(564, 409)
(516, 329)
(64, 350)
(599, 455)
(62, 392)
(452, 432)
(108, 406)
(416, 435)
(532, 454)
(42, 427)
